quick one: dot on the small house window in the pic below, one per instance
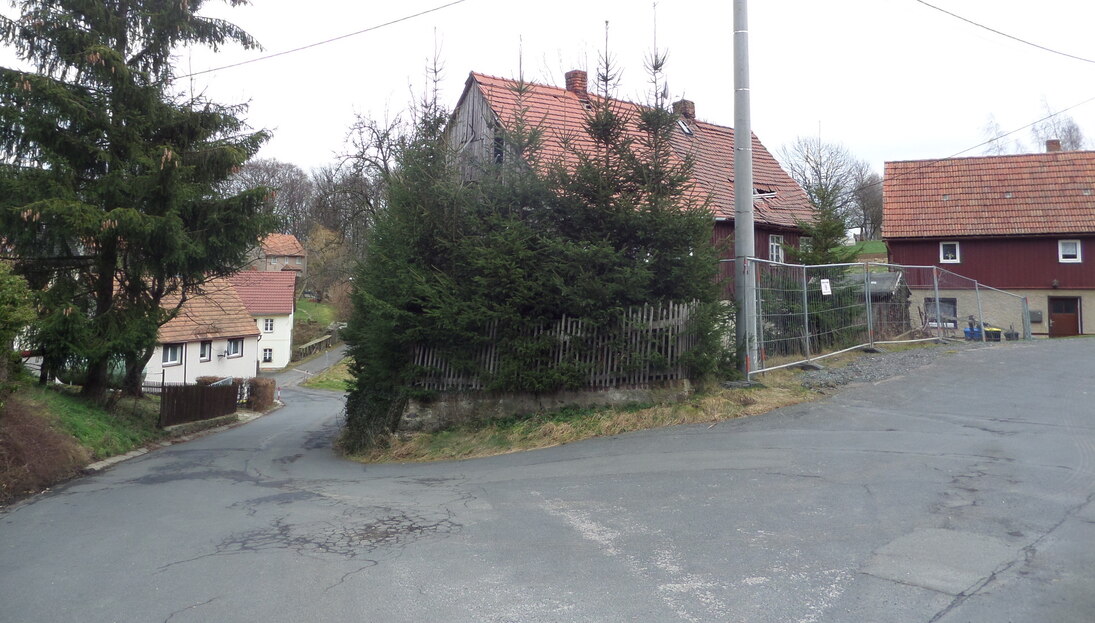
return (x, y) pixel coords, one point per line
(949, 253)
(235, 347)
(267, 355)
(300, 260)
(1068, 251)
(775, 248)
(172, 354)
(947, 310)
(267, 325)
(499, 149)
(205, 351)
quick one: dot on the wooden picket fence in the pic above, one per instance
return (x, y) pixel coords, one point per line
(643, 348)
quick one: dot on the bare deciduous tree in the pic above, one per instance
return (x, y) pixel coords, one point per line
(834, 180)
(291, 192)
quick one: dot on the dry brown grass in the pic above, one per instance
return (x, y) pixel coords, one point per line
(33, 455)
(780, 389)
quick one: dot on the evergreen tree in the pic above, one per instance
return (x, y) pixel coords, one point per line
(108, 180)
(517, 250)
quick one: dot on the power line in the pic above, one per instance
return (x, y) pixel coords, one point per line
(324, 42)
(1004, 34)
(934, 161)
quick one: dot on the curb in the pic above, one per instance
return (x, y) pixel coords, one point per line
(241, 418)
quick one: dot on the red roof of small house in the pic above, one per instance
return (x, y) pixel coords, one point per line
(215, 312)
(282, 244)
(561, 115)
(266, 293)
(1020, 195)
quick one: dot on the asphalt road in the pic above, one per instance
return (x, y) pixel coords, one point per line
(960, 492)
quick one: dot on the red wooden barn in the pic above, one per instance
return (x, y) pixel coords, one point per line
(1023, 223)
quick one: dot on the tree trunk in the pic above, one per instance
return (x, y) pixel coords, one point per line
(134, 372)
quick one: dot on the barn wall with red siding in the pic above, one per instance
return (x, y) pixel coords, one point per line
(1006, 263)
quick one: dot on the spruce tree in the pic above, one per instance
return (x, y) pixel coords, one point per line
(108, 178)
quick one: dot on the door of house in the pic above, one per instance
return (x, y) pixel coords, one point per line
(1064, 316)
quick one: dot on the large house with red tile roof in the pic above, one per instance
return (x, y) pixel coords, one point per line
(489, 105)
(280, 252)
(1022, 223)
(211, 335)
(270, 300)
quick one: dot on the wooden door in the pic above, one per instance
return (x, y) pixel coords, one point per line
(1064, 316)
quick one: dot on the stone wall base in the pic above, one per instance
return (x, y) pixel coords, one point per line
(453, 409)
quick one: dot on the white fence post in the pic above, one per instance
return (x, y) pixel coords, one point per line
(980, 312)
(867, 300)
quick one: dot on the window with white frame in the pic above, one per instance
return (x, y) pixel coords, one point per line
(1068, 251)
(172, 354)
(235, 347)
(267, 325)
(267, 355)
(205, 351)
(950, 253)
(300, 260)
(775, 247)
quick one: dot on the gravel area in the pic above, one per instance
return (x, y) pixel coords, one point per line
(874, 367)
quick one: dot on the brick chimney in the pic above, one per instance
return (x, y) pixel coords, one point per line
(685, 108)
(576, 83)
(1052, 145)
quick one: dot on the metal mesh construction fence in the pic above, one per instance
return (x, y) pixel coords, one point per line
(810, 312)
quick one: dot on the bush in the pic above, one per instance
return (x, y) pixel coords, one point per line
(263, 391)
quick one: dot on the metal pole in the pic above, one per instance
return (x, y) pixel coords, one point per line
(867, 298)
(980, 314)
(938, 307)
(805, 313)
(1026, 320)
(745, 326)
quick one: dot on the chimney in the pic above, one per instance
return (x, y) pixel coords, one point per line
(576, 83)
(1052, 145)
(685, 108)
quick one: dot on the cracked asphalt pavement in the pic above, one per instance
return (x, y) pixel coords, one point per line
(961, 491)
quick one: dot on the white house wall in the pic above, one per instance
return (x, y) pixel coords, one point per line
(243, 366)
(280, 341)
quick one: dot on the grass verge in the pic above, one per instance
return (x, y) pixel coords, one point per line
(48, 435)
(780, 389)
(335, 378)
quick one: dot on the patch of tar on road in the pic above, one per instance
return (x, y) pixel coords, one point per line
(323, 437)
(356, 535)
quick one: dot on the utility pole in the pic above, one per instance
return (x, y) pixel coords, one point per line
(744, 279)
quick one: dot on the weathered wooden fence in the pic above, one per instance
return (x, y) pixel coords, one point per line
(180, 404)
(317, 345)
(645, 346)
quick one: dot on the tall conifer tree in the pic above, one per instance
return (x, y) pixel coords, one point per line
(108, 179)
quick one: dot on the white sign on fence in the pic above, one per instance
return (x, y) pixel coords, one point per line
(826, 289)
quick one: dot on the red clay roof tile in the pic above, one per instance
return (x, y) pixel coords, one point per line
(561, 115)
(216, 312)
(282, 244)
(1019, 195)
(266, 293)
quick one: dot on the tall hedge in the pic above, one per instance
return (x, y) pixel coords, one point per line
(520, 247)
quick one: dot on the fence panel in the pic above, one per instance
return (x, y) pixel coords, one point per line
(808, 312)
(646, 346)
(180, 404)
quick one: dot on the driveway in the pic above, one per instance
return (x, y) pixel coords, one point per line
(960, 492)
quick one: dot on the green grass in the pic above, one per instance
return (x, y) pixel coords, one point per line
(131, 425)
(335, 378)
(869, 247)
(322, 314)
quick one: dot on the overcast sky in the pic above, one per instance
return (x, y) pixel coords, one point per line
(888, 79)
